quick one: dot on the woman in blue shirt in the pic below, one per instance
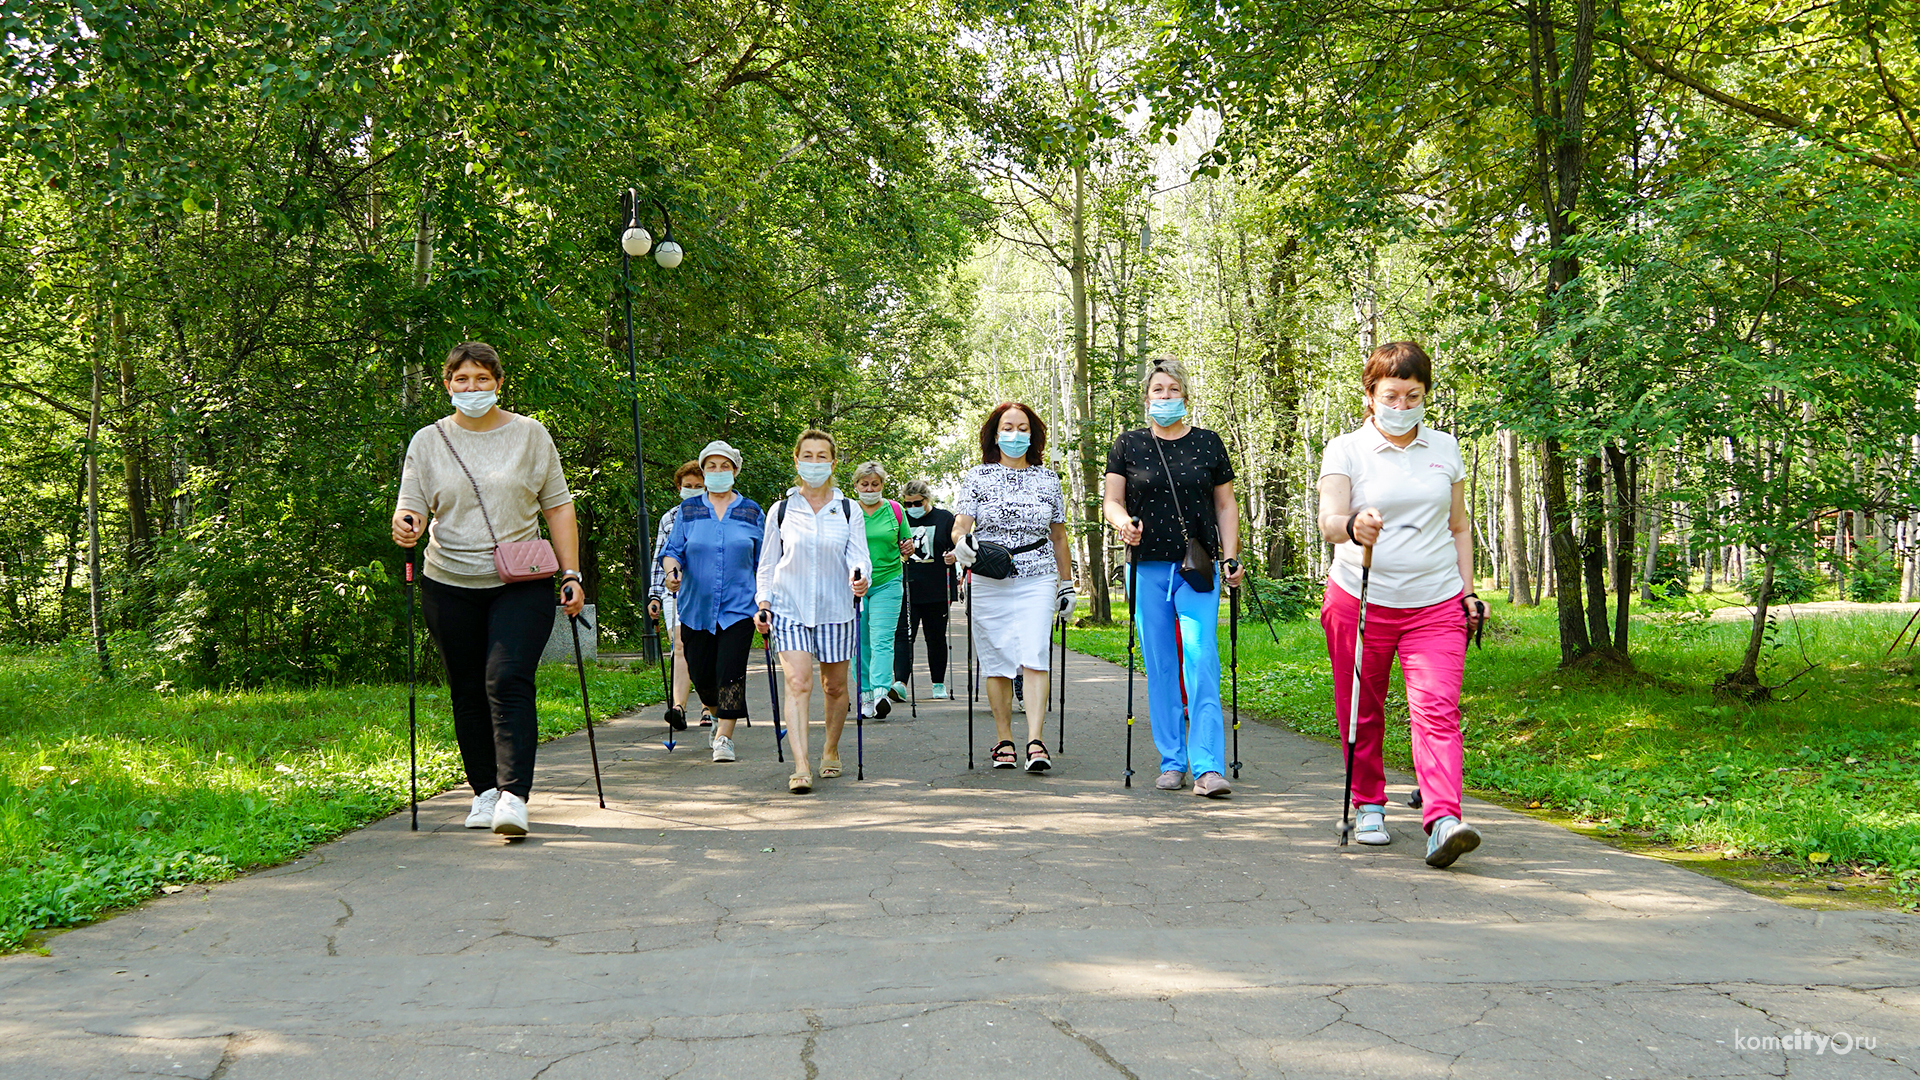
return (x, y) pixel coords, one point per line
(710, 561)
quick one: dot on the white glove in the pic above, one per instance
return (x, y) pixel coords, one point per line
(1063, 601)
(967, 550)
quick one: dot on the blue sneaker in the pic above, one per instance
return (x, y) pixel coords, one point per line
(1450, 839)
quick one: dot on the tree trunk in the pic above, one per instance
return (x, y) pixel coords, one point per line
(1099, 601)
(1623, 466)
(1575, 641)
(415, 370)
(1593, 550)
(1517, 545)
(1655, 487)
(95, 599)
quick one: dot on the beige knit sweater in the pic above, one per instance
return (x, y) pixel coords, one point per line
(518, 471)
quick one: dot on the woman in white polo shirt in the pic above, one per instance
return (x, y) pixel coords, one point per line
(1398, 486)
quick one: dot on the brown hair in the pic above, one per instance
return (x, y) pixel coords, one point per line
(813, 433)
(691, 468)
(1397, 360)
(473, 352)
(990, 433)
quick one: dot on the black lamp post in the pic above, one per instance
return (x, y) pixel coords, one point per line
(635, 242)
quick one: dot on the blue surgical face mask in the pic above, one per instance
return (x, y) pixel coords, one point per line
(916, 512)
(690, 493)
(720, 482)
(475, 403)
(1167, 411)
(1014, 443)
(814, 473)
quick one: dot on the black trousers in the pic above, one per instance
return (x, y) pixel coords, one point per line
(717, 663)
(931, 621)
(491, 640)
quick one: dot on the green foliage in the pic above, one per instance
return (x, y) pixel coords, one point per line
(1873, 578)
(1671, 573)
(110, 791)
(1283, 599)
(1793, 583)
(265, 228)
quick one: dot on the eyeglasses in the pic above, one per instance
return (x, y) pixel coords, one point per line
(913, 504)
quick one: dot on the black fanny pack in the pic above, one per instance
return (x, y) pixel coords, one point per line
(996, 560)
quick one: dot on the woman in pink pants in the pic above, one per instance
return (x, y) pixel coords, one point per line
(1398, 486)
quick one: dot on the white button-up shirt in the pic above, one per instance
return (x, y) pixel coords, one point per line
(807, 561)
(1414, 562)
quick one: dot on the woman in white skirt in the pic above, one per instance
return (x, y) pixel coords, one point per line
(1015, 513)
(813, 564)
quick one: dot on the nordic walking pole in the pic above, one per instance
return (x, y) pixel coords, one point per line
(859, 666)
(413, 724)
(1063, 684)
(1266, 613)
(666, 680)
(1233, 664)
(906, 609)
(1353, 712)
(969, 669)
(1133, 598)
(586, 708)
(773, 687)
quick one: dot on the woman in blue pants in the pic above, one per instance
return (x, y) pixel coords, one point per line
(1177, 482)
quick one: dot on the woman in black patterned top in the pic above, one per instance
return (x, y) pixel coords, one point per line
(1177, 481)
(1020, 506)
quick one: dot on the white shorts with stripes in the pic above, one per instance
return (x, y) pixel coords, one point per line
(829, 644)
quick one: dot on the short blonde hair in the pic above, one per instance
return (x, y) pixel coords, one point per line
(810, 435)
(870, 468)
(920, 488)
(1177, 371)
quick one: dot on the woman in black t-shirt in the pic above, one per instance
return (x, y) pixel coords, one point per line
(1176, 479)
(929, 569)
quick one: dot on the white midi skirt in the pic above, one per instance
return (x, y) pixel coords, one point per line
(1012, 624)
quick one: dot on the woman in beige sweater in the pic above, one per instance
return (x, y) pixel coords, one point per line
(486, 477)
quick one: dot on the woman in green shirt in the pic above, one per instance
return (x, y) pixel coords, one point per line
(888, 540)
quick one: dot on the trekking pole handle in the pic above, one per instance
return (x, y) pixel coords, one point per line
(1366, 556)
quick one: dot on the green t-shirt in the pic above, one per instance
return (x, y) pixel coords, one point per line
(884, 533)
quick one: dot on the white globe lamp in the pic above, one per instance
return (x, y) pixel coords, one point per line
(668, 254)
(636, 241)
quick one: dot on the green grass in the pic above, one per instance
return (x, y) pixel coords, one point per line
(1828, 779)
(109, 792)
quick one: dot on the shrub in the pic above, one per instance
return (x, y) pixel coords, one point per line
(1792, 583)
(1281, 599)
(1873, 578)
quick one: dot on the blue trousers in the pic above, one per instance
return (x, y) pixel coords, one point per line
(1198, 745)
(879, 618)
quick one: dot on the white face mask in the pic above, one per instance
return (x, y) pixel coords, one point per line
(813, 473)
(1399, 421)
(690, 493)
(475, 403)
(870, 498)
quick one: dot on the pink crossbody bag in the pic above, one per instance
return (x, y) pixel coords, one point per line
(522, 560)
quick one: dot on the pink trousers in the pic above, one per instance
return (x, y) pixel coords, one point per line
(1432, 645)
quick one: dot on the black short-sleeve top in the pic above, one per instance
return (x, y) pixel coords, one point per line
(1197, 462)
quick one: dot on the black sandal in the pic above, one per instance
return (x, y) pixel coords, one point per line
(676, 718)
(1039, 762)
(1003, 755)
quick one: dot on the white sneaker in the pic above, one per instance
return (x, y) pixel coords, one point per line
(510, 815)
(1371, 826)
(939, 691)
(481, 816)
(723, 749)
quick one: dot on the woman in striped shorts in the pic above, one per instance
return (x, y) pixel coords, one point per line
(813, 565)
